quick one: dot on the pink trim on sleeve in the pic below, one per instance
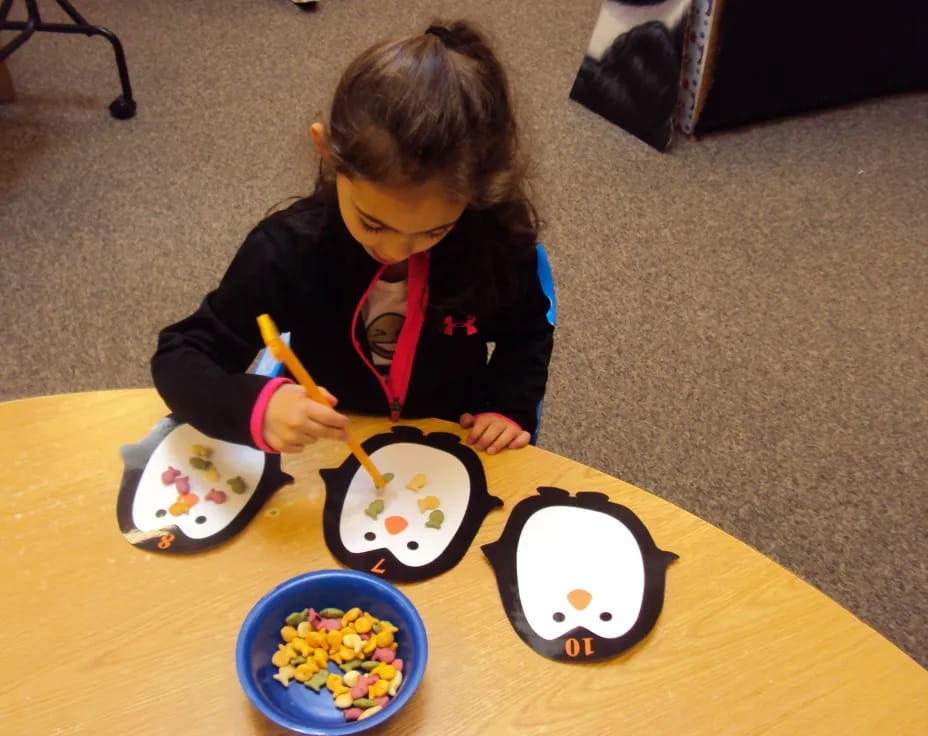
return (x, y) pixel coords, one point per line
(257, 413)
(501, 416)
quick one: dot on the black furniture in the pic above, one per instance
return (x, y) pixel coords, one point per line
(123, 107)
(782, 57)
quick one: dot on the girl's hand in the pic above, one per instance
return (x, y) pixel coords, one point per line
(493, 433)
(293, 420)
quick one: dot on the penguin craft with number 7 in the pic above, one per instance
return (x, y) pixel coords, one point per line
(423, 522)
(580, 577)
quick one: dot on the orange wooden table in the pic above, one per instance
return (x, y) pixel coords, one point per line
(102, 638)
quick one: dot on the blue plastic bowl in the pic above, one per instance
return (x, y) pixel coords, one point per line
(296, 707)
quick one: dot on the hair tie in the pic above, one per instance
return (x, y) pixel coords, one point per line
(442, 33)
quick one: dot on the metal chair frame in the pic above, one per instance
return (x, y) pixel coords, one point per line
(123, 107)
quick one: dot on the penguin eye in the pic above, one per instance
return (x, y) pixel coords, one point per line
(200, 520)
(160, 512)
(412, 545)
(370, 536)
(558, 616)
(605, 616)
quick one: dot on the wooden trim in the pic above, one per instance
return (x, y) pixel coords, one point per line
(7, 93)
(705, 80)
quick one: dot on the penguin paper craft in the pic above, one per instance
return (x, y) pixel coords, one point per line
(183, 491)
(580, 577)
(423, 522)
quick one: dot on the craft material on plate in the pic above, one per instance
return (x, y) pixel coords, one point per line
(169, 503)
(408, 537)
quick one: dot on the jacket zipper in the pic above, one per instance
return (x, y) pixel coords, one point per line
(418, 277)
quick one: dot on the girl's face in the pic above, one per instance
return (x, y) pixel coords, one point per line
(393, 223)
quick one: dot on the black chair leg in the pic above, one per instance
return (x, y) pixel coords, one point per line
(123, 107)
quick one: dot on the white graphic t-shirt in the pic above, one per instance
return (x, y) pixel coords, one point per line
(384, 313)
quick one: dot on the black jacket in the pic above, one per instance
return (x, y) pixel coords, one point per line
(303, 268)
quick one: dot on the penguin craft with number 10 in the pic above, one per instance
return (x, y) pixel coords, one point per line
(580, 577)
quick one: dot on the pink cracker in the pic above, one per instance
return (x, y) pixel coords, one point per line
(359, 690)
(383, 654)
(331, 624)
(168, 476)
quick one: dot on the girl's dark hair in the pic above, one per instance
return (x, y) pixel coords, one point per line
(437, 105)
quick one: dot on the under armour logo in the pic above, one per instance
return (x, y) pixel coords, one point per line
(467, 324)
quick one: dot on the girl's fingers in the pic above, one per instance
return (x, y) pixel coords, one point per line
(495, 433)
(325, 416)
(332, 400)
(306, 438)
(323, 421)
(282, 445)
(489, 435)
(316, 430)
(506, 436)
(479, 426)
(289, 441)
(467, 420)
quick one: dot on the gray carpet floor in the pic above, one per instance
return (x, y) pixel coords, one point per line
(742, 321)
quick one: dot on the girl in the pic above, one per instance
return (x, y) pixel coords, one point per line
(416, 249)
